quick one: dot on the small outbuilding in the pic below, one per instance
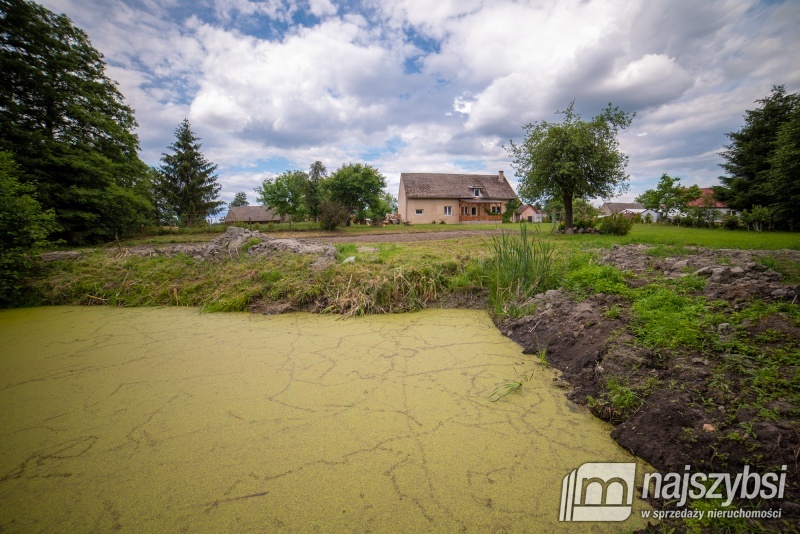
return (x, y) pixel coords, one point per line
(528, 213)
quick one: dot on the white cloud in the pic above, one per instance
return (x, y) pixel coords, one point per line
(451, 81)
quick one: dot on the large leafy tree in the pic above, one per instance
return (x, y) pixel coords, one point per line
(749, 158)
(313, 193)
(285, 194)
(572, 159)
(188, 180)
(668, 196)
(67, 125)
(357, 187)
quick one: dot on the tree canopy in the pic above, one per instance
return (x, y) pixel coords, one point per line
(758, 172)
(668, 196)
(67, 125)
(239, 200)
(572, 159)
(285, 194)
(357, 187)
(187, 178)
(313, 193)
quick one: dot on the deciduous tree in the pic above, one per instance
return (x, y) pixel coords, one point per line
(357, 187)
(572, 159)
(669, 196)
(313, 193)
(285, 194)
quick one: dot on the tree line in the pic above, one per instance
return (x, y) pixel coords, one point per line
(564, 163)
(68, 143)
(762, 180)
(353, 191)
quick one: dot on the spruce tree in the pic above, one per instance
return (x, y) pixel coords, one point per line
(188, 180)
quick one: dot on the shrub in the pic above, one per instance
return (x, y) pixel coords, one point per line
(616, 225)
(730, 222)
(24, 227)
(332, 214)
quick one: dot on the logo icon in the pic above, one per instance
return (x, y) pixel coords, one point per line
(598, 492)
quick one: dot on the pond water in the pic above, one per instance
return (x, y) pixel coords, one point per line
(168, 419)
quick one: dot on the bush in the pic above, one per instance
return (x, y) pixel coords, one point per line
(332, 214)
(24, 227)
(616, 225)
(730, 222)
(584, 224)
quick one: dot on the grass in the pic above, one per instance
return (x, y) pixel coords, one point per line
(400, 276)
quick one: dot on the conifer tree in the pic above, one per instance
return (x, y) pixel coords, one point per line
(187, 178)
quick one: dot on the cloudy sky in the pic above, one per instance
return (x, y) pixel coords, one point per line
(438, 86)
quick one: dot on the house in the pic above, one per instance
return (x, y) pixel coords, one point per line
(707, 201)
(641, 214)
(453, 198)
(528, 213)
(612, 208)
(252, 214)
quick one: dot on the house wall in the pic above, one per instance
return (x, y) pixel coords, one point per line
(432, 210)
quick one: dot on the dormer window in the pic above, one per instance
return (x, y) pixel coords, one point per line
(476, 191)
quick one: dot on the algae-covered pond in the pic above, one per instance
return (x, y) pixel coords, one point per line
(173, 420)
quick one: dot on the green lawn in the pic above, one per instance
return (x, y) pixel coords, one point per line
(657, 234)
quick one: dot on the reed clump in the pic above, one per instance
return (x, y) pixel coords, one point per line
(522, 266)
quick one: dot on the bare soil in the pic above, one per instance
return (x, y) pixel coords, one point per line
(687, 418)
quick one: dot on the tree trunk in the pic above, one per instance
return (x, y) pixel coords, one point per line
(567, 212)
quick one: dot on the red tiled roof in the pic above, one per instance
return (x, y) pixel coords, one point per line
(706, 200)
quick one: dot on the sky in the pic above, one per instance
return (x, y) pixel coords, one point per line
(438, 86)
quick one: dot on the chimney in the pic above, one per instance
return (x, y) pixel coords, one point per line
(501, 176)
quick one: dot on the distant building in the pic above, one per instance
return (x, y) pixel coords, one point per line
(252, 214)
(529, 213)
(612, 208)
(707, 201)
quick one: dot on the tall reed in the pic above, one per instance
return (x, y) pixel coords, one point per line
(521, 267)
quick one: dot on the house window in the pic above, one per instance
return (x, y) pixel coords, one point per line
(419, 212)
(448, 210)
(474, 210)
(476, 192)
(495, 209)
(466, 210)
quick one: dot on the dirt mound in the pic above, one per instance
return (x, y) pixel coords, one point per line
(695, 405)
(237, 241)
(733, 275)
